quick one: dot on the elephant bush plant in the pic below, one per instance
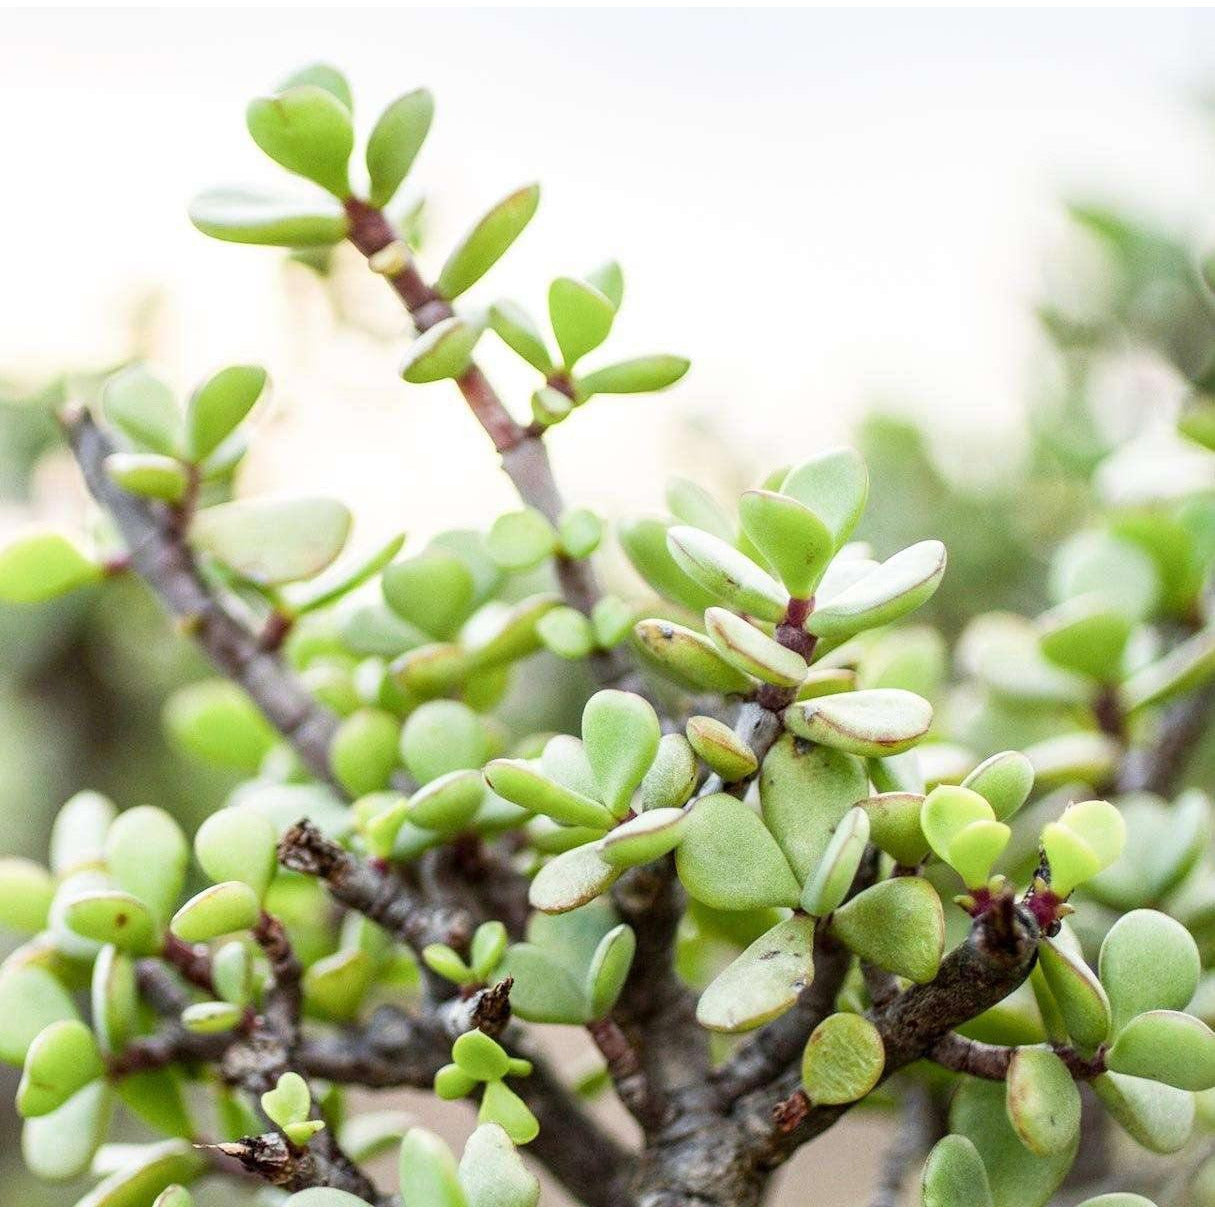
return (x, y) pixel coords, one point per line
(773, 875)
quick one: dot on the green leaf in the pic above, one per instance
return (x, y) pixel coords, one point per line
(843, 1060)
(253, 217)
(954, 1175)
(1016, 1175)
(499, 1104)
(518, 782)
(898, 924)
(645, 838)
(323, 1196)
(1083, 1004)
(489, 239)
(148, 475)
(491, 1172)
(827, 887)
(394, 143)
(1042, 1100)
(544, 990)
(433, 590)
(720, 748)
(644, 541)
(271, 541)
(894, 825)
(211, 1017)
(26, 890)
(449, 802)
(580, 531)
(289, 1101)
(30, 999)
(1004, 781)
(521, 539)
(962, 830)
(232, 972)
(61, 1060)
(763, 981)
(142, 408)
(308, 131)
(113, 999)
(1087, 636)
(520, 332)
(215, 912)
(1159, 1117)
(753, 651)
(689, 658)
(1097, 563)
(114, 917)
(238, 844)
(59, 1146)
(896, 587)
(835, 486)
(336, 986)
(324, 76)
(880, 721)
(147, 855)
(1002, 650)
(1185, 667)
(1170, 1047)
(1088, 837)
(729, 860)
(219, 406)
(609, 969)
(1118, 1199)
(502, 633)
(649, 373)
(620, 731)
(179, 1196)
(795, 542)
(581, 316)
(571, 879)
(363, 751)
(672, 775)
(428, 1176)
(1082, 757)
(1147, 961)
(216, 721)
(443, 352)
(805, 792)
(480, 1056)
(730, 576)
(443, 736)
(42, 567)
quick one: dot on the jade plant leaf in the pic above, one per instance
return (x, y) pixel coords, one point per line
(257, 217)
(880, 721)
(721, 748)
(794, 541)
(581, 316)
(1147, 961)
(215, 912)
(843, 1060)
(827, 887)
(961, 828)
(835, 486)
(308, 131)
(955, 1175)
(729, 860)
(763, 981)
(898, 924)
(443, 352)
(1042, 1100)
(488, 240)
(649, 835)
(753, 651)
(1004, 781)
(621, 732)
(44, 566)
(394, 143)
(428, 1172)
(1167, 1046)
(1156, 1115)
(1082, 1001)
(492, 1173)
(571, 879)
(727, 574)
(238, 844)
(687, 657)
(1088, 837)
(648, 373)
(61, 1060)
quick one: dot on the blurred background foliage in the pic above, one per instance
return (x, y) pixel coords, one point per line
(1127, 331)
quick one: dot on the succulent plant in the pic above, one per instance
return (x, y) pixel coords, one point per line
(773, 876)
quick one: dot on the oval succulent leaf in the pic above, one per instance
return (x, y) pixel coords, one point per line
(880, 721)
(827, 887)
(273, 541)
(519, 782)
(1083, 1004)
(443, 352)
(428, 1171)
(753, 651)
(61, 1060)
(30, 999)
(898, 924)
(1004, 781)
(449, 802)
(238, 844)
(1086, 635)
(217, 911)
(1159, 1117)
(394, 143)
(492, 1173)
(896, 587)
(726, 573)
(609, 969)
(147, 855)
(1088, 837)
(256, 217)
(148, 475)
(488, 240)
(308, 131)
(689, 658)
(647, 373)
(672, 775)
(41, 567)
(729, 860)
(1147, 961)
(581, 316)
(621, 732)
(1166, 1046)
(763, 981)
(645, 838)
(571, 879)
(794, 541)
(521, 333)
(644, 541)
(114, 917)
(1186, 666)
(219, 406)
(894, 825)
(954, 1175)
(835, 486)
(720, 748)
(843, 1060)
(1042, 1100)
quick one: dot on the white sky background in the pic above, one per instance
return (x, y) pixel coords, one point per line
(820, 208)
